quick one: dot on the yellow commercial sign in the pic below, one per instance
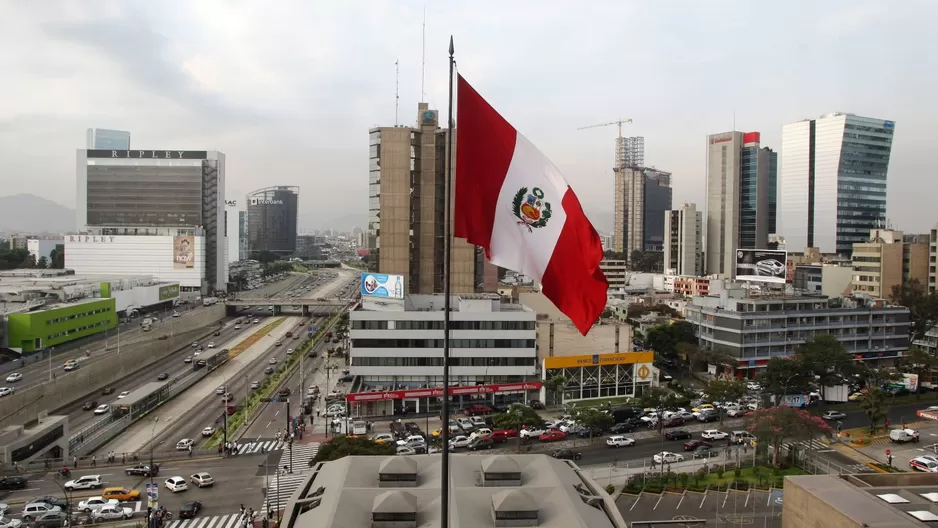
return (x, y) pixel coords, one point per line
(595, 360)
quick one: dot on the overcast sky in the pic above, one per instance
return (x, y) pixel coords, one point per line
(288, 89)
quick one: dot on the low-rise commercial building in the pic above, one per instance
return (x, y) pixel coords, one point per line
(404, 492)
(755, 329)
(829, 280)
(43, 439)
(396, 353)
(887, 260)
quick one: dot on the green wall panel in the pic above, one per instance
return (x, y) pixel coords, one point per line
(46, 328)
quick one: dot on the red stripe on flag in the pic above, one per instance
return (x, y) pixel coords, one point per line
(485, 145)
(573, 280)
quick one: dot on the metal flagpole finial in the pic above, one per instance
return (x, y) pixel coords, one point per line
(451, 49)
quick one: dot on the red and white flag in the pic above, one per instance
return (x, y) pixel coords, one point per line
(512, 201)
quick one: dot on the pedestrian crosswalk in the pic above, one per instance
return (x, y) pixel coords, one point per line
(813, 445)
(260, 446)
(234, 520)
(281, 486)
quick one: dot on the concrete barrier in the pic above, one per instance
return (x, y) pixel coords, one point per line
(23, 406)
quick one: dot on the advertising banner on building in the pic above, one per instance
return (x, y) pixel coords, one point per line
(453, 391)
(183, 252)
(761, 265)
(380, 285)
(170, 291)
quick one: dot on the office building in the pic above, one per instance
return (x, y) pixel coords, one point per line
(756, 329)
(509, 490)
(832, 184)
(310, 247)
(641, 196)
(830, 280)
(888, 260)
(933, 259)
(863, 500)
(243, 245)
(156, 212)
(232, 231)
(683, 248)
(741, 197)
(396, 352)
(406, 189)
(272, 219)
(102, 138)
(616, 272)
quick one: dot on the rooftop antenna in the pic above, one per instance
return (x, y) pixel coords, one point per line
(397, 90)
(423, 56)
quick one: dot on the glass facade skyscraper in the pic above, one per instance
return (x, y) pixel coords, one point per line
(272, 219)
(833, 181)
(103, 138)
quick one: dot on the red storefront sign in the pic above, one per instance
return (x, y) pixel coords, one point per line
(437, 393)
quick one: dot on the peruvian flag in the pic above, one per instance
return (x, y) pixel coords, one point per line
(512, 201)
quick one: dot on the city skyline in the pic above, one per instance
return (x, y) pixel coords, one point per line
(193, 92)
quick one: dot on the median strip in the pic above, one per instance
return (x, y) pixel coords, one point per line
(253, 339)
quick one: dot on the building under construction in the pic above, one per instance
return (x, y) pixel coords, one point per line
(642, 195)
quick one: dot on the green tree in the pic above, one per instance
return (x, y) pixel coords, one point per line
(518, 417)
(826, 359)
(725, 391)
(785, 375)
(873, 404)
(554, 386)
(42, 263)
(660, 338)
(922, 305)
(920, 362)
(772, 425)
(342, 446)
(57, 257)
(593, 419)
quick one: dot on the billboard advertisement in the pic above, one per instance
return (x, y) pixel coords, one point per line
(380, 285)
(170, 291)
(183, 252)
(761, 265)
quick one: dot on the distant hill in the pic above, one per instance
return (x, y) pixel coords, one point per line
(34, 215)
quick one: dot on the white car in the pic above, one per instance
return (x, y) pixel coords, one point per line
(382, 438)
(255, 385)
(532, 432)
(753, 386)
(175, 484)
(459, 441)
(102, 409)
(713, 434)
(211, 344)
(10, 522)
(465, 423)
(289, 351)
(184, 444)
(6, 391)
(667, 457)
(86, 482)
(620, 441)
(175, 314)
(221, 390)
(405, 451)
(237, 327)
(112, 512)
(93, 503)
(272, 361)
(208, 431)
(737, 411)
(569, 427)
(202, 479)
(123, 395)
(13, 378)
(35, 510)
(335, 411)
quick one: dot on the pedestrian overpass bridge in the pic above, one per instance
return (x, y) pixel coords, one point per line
(307, 307)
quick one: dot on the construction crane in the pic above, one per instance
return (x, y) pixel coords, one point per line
(619, 123)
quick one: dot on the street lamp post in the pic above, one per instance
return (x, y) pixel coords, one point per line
(152, 466)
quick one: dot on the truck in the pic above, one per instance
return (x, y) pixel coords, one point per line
(209, 301)
(837, 393)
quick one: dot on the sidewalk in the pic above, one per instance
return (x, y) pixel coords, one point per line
(138, 435)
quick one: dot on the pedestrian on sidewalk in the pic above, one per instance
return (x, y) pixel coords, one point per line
(190, 451)
(75, 462)
(94, 461)
(123, 458)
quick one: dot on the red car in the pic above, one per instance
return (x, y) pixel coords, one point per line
(694, 444)
(477, 409)
(510, 433)
(498, 436)
(553, 435)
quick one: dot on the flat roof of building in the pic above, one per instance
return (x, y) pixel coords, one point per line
(881, 500)
(347, 492)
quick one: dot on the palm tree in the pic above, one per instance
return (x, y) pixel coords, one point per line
(873, 404)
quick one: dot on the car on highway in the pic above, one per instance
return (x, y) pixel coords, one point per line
(620, 441)
(256, 321)
(237, 327)
(93, 503)
(704, 451)
(211, 344)
(85, 482)
(13, 483)
(33, 510)
(187, 360)
(190, 509)
(143, 470)
(667, 457)
(927, 464)
(479, 443)
(383, 438)
(70, 366)
(208, 431)
(272, 361)
(107, 391)
(121, 494)
(713, 434)
(202, 479)
(221, 390)
(89, 405)
(112, 512)
(833, 415)
(278, 343)
(52, 519)
(566, 454)
(694, 444)
(289, 351)
(406, 451)
(51, 500)
(227, 397)
(552, 435)
(123, 395)
(255, 385)
(175, 314)
(678, 434)
(184, 444)
(176, 484)
(162, 377)
(269, 370)
(13, 378)
(103, 409)
(283, 392)
(6, 391)
(10, 522)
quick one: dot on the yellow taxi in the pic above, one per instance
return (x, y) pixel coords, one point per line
(436, 433)
(121, 494)
(702, 407)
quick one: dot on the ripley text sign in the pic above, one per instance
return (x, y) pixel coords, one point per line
(147, 154)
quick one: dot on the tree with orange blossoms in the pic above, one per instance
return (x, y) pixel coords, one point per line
(772, 425)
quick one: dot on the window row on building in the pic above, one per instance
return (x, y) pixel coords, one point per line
(438, 325)
(438, 343)
(438, 362)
